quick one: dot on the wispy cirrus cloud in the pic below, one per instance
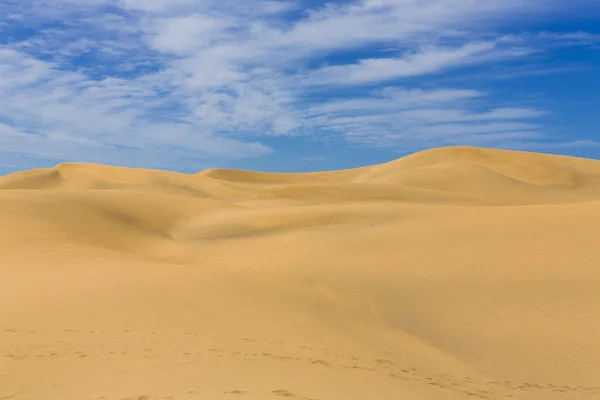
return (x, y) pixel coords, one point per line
(209, 80)
(49, 112)
(423, 62)
(413, 117)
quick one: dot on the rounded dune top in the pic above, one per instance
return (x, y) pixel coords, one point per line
(527, 167)
(533, 167)
(82, 174)
(457, 172)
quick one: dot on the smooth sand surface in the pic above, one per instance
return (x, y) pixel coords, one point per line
(454, 273)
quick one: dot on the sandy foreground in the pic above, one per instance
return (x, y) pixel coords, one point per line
(454, 273)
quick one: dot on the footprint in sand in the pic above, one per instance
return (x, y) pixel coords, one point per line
(283, 393)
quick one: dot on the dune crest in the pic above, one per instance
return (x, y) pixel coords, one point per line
(466, 175)
(453, 273)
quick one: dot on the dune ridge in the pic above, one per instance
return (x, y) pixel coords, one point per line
(452, 273)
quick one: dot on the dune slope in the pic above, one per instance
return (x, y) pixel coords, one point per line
(454, 273)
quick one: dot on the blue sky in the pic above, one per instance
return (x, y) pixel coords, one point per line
(293, 85)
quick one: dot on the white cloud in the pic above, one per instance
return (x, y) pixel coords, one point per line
(229, 7)
(49, 112)
(201, 74)
(427, 61)
(183, 35)
(158, 5)
(7, 131)
(578, 38)
(402, 116)
(394, 99)
(446, 115)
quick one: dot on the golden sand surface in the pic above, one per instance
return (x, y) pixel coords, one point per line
(453, 273)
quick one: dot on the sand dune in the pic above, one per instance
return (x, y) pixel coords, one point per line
(454, 273)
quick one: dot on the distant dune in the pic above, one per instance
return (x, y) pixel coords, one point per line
(453, 273)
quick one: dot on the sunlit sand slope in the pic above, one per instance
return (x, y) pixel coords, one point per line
(454, 273)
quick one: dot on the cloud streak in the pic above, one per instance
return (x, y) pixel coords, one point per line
(424, 62)
(209, 80)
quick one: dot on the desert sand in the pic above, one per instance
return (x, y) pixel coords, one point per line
(453, 273)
